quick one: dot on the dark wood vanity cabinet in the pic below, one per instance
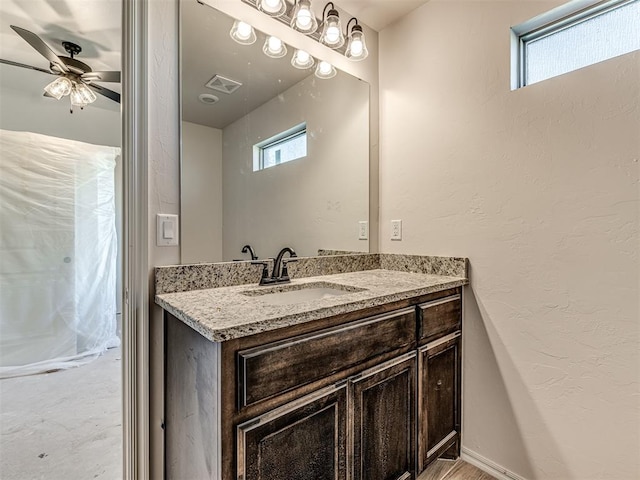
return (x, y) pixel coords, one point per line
(439, 399)
(368, 395)
(384, 425)
(439, 378)
(305, 439)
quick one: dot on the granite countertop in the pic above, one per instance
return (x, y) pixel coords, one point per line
(225, 313)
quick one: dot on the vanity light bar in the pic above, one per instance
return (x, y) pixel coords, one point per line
(328, 31)
(244, 34)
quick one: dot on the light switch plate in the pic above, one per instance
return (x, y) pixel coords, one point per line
(396, 229)
(363, 230)
(167, 234)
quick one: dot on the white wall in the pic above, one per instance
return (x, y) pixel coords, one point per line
(539, 188)
(163, 174)
(201, 194)
(310, 203)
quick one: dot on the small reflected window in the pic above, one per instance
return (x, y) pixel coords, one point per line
(284, 147)
(559, 41)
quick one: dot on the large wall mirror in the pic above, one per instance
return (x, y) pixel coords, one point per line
(272, 155)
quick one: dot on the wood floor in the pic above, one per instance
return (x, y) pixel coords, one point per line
(453, 470)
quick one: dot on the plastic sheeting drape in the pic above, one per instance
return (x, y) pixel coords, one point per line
(57, 252)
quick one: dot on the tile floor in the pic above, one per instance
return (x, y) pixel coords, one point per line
(63, 425)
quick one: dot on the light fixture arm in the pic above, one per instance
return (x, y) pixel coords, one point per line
(349, 23)
(324, 12)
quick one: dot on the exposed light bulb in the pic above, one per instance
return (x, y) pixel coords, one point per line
(243, 33)
(275, 44)
(333, 34)
(244, 30)
(356, 47)
(325, 70)
(274, 48)
(275, 8)
(302, 60)
(303, 19)
(60, 87)
(324, 67)
(332, 30)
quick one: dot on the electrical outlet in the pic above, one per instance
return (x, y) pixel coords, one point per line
(396, 229)
(363, 230)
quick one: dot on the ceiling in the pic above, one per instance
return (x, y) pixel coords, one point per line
(379, 13)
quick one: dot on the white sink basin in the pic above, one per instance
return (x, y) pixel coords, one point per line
(290, 294)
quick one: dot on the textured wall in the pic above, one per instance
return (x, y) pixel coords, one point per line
(201, 194)
(163, 163)
(539, 188)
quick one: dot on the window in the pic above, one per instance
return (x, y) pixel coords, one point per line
(563, 40)
(284, 147)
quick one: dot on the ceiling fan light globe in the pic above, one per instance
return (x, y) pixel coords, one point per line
(60, 87)
(81, 95)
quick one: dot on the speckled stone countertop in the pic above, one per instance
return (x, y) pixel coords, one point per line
(225, 313)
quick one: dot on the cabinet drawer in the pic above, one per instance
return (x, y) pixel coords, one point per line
(439, 317)
(274, 368)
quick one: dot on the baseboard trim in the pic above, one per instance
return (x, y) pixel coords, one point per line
(489, 466)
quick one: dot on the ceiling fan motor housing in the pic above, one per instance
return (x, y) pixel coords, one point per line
(76, 66)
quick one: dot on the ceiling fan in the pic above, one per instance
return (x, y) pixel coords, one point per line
(75, 78)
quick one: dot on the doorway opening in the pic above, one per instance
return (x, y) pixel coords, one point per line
(61, 247)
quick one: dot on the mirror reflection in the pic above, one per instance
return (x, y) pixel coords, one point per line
(272, 155)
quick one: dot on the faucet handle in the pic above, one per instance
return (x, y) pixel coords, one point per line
(285, 271)
(264, 278)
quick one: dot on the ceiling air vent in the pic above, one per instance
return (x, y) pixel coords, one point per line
(223, 84)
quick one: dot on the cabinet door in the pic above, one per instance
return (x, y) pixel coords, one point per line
(439, 402)
(302, 440)
(384, 426)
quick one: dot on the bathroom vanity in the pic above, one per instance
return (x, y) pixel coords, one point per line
(362, 383)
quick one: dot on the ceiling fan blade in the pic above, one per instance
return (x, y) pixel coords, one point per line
(102, 76)
(115, 96)
(41, 47)
(22, 65)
